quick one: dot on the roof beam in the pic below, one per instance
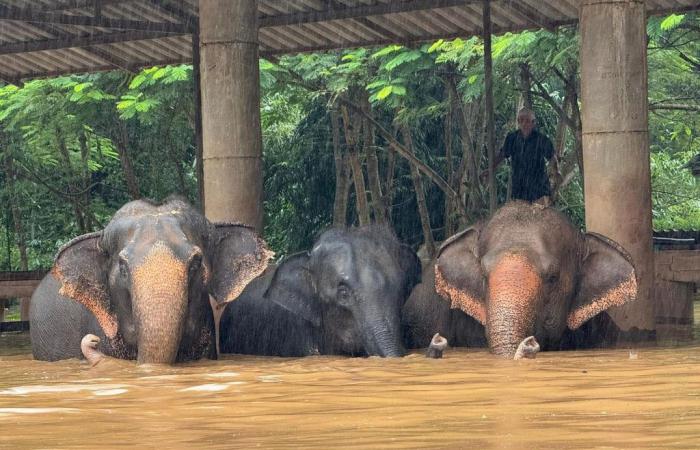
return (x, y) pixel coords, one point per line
(81, 4)
(34, 16)
(530, 15)
(117, 62)
(171, 7)
(79, 41)
(415, 39)
(358, 11)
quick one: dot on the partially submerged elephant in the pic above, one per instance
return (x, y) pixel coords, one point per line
(342, 297)
(526, 271)
(143, 285)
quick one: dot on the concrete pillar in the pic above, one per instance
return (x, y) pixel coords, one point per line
(615, 142)
(232, 154)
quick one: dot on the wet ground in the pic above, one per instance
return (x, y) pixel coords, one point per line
(469, 399)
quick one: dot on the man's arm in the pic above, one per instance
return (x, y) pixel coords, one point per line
(502, 154)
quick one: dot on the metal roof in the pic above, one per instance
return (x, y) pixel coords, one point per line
(52, 37)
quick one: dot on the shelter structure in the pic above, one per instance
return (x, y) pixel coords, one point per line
(224, 39)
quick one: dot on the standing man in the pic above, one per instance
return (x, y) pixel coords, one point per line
(528, 148)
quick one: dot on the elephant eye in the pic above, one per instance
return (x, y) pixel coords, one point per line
(553, 278)
(195, 263)
(343, 291)
(123, 267)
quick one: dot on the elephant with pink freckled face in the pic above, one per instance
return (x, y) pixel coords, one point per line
(143, 286)
(527, 271)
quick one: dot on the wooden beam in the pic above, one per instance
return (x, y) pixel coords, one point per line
(117, 62)
(79, 41)
(33, 16)
(177, 11)
(61, 5)
(530, 15)
(358, 11)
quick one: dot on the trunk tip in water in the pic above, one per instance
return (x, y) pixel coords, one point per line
(437, 345)
(528, 348)
(88, 345)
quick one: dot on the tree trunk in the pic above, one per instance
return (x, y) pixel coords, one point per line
(342, 181)
(389, 182)
(447, 133)
(373, 167)
(20, 238)
(84, 185)
(525, 86)
(404, 152)
(72, 190)
(132, 184)
(488, 104)
(351, 138)
(420, 197)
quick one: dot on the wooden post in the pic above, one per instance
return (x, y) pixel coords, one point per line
(197, 82)
(488, 104)
(615, 141)
(232, 140)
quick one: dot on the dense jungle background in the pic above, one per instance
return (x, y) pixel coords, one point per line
(390, 135)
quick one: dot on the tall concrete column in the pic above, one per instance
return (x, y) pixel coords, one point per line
(615, 140)
(232, 154)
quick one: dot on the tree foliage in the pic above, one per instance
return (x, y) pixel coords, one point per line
(392, 134)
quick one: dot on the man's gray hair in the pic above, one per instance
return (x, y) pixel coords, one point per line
(526, 112)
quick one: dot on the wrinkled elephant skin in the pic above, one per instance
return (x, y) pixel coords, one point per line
(342, 297)
(527, 271)
(142, 285)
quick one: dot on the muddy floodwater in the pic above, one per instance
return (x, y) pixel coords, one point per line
(469, 399)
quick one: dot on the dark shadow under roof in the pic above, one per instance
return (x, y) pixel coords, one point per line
(52, 37)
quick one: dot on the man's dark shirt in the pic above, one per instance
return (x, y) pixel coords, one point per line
(530, 180)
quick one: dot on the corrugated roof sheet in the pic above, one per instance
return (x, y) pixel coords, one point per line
(51, 37)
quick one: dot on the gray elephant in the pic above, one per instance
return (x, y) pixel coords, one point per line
(143, 284)
(342, 297)
(526, 271)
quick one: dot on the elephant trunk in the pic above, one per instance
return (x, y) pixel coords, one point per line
(383, 338)
(514, 288)
(159, 305)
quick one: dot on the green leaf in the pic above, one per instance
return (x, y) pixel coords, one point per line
(160, 73)
(398, 90)
(436, 45)
(376, 84)
(671, 21)
(387, 50)
(384, 93)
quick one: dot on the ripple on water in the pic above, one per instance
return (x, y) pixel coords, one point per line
(61, 388)
(211, 387)
(16, 411)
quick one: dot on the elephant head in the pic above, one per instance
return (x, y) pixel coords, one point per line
(147, 277)
(529, 271)
(351, 287)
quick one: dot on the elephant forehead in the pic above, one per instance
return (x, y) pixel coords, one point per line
(145, 229)
(336, 257)
(514, 275)
(160, 267)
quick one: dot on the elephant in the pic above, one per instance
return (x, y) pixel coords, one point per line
(526, 271)
(342, 297)
(144, 285)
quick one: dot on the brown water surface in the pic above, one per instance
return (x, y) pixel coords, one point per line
(469, 399)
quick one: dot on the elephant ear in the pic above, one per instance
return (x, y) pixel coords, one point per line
(607, 279)
(458, 275)
(293, 288)
(80, 267)
(237, 256)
